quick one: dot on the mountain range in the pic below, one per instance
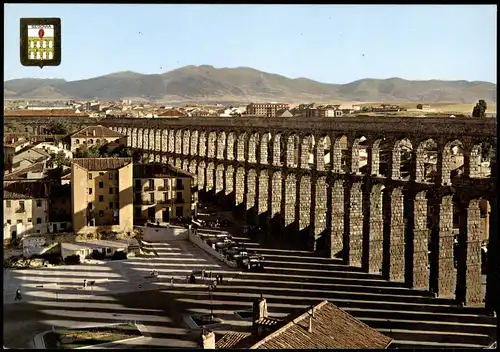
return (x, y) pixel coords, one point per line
(243, 84)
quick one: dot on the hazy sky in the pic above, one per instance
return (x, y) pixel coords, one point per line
(334, 44)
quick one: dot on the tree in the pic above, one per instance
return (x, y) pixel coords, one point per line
(479, 110)
(15, 127)
(89, 152)
(419, 106)
(58, 160)
(57, 127)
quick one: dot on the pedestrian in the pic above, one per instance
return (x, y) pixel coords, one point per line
(85, 283)
(210, 275)
(217, 278)
(193, 279)
(18, 295)
(203, 273)
(221, 278)
(172, 281)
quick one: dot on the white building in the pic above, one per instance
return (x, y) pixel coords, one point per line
(28, 158)
(55, 148)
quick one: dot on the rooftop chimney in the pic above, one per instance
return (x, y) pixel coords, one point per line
(93, 133)
(207, 339)
(311, 316)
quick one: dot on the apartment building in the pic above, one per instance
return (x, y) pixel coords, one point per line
(102, 195)
(25, 208)
(11, 146)
(96, 135)
(162, 192)
(265, 109)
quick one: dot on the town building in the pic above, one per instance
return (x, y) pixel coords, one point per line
(29, 157)
(322, 326)
(95, 135)
(25, 208)
(102, 195)
(265, 109)
(162, 192)
(85, 249)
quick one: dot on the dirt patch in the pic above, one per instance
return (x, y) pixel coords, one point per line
(75, 338)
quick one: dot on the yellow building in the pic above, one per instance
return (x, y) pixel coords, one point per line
(96, 135)
(102, 195)
(162, 192)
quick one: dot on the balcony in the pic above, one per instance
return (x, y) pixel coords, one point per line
(179, 200)
(144, 202)
(20, 210)
(162, 188)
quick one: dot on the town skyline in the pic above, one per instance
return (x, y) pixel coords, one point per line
(408, 42)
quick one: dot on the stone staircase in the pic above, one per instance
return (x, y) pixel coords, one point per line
(413, 318)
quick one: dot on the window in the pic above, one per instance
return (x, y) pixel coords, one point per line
(21, 204)
(111, 175)
(110, 190)
(91, 141)
(179, 211)
(38, 220)
(116, 190)
(165, 196)
(101, 173)
(151, 183)
(165, 183)
(8, 222)
(138, 184)
(19, 221)
(178, 183)
(101, 184)
(111, 205)
(101, 213)
(90, 176)
(90, 206)
(63, 225)
(7, 204)
(101, 198)
(29, 219)
(152, 197)
(90, 190)
(38, 203)
(108, 250)
(77, 141)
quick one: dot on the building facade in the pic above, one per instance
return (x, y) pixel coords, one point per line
(161, 193)
(95, 136)
(102, 195)
(265, 109)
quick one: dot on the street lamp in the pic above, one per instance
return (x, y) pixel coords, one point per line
(211, 287)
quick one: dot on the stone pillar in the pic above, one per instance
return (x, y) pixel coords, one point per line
(210, 176)
(203, 145)
(318, 217)
(201, 175)
(305, 202)
(164, 140)
(194, 143)
(443, 237)
(212, 145)
(178, 142)
(353, 156)
(158, 140)
(252, 146)
(374, 231)
(264, 145)
(219, 179)
(469, 283)
(290, 198)
(336, 155)
(251, 186)
(356, 224)
(374, 158)
(240, 186)
(319, 153)
(474, 162)
(276, 193)
(337, 234)
(290, 151)
(129, 137)
(171, 141)
(192, 169)
(185, 142)
(263, 205)
(304, 152)
(221, 145)
(152, 139)
(492, 269)
(395, 162)
(229, 186)
(277, 150)
(134, 138)
(417, 225)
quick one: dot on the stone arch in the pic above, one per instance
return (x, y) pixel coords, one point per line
(290, 198)
(164, 140)
(251, 187)
(231, 137)
(263, 205)
(210, 176)
(253, 142)
(304, 202)
(340, 154)
(480, 159)
(240, 186)
(185, 165)
(292, 150)
(401, 159)
(276, 194)
(158, 141)
(178, 163)
(171, 141)
(452, 161)
(426, 161)
(375, 156)
(192, 169)
(186, 141)
(375, 236)
(306, 155)
(356, 224)
(201, 175)
(240, 148)
(278, 156)
(359, 155)
(229, 180)
(203, 144)
(212, 139)
(178, 142)
(265, 152)
(219, 179)
(194, 142)
(323, 153)
(221, 145)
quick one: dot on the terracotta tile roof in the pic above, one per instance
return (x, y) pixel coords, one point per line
(17, 143)
(231, 340)
(38, 167)
(268, 321)
(43, 113)
(15, 135)
(172, 112)
(41, 152)
(101, 164)
(157, 170)
(25, 190)
(96, 132)
(332, 328)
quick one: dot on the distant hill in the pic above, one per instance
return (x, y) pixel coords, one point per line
(244, 84)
